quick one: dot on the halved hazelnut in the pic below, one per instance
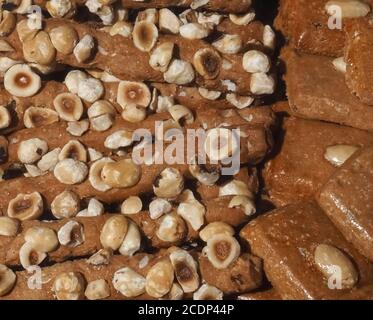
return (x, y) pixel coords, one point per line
(94, 154)
(101, 257)
(77, 128)
(70, 171)
(242, 20)
(168, 21)
(131, 205)
(205, 175)
(121, 174)
(128, 282)
(209, 94)
(196, 4)
(245, 203)
(159, 279)
(168, 184)
(179, 72)
(222, 250)
(235, 188)
(95, 177)
(64, 38)
(134, 114)
(207, 63)
(145, 35)
(133, 94)
(61, 8)
(159, 207)
(71, 234)
(119, 139)
(100, 108)
(175, 293)
(262, 83)
(269, 37)
(132, 241)
(220, 144)
(73, 78)
(195, 30)
(38, 117)
(7, 280)
(240, 102)
(42, 239)
(24, 31)
(181, 114)
(150, 15)
(21, 81)
(95, 208)
(123, 28)
(90, 89)
(39, 49)
(68, 106)
(106, 14)
(255, 61)
(84, 48)
(215, 228)
(229, 44)
(193, 212)
(97, 290)
(7, 23)
(73, 150)
(49, 160)
(32, 171)
(113, 232)
(102, 123)
(26, 206)
(5, 46)
(172, 228)
(28, 256)
(209, 18)
(161, 56)
(69, 286)
(207, 292)
(9, 226)
(30, 151)
(5, 117)
(65, 205)
(185, 270)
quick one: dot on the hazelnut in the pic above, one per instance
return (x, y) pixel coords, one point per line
(121, 174)
(131, 205)
(169, 184)
(145, 35)
(64, 38)
(161, 56)
(39, 116)
(159, 279)
(172, 228)
(65, 205)
(70, 171)
(9, 226)
(207, 63)
(207, 292)
(113, 232)
(71, 234)
(28, 256)
(68, 106)
(73, 150)
(42, 239)
(26, 206)
(21, 81)
(7, 280)
(39, 49)
(69, 286)
(215, 228)
(128, 282)
(97, 290)
(95, 177)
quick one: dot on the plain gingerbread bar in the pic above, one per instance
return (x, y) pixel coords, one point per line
(347, 199)
(299, 169)
(286, 239)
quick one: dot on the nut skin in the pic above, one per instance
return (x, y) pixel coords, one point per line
(121, 174)
(42, 239)
(69, 286)
(328, 258)
(113, 232)
(159, 279)
(64, 38)
(207, 63)
(26, 206)
(7, 280)
(39, 49)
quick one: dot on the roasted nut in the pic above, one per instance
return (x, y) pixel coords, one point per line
(7, 280)
(132, 241)
(68, 106)
(64, 38)
(332, 262)
(145, 35)
(49, 160)
(107, 15)
(159, 207)
(171, 228)
(71, 234)
(69, 286)
(240, 102)
(179, 72)
(193, 212)
(61, 8)
(242, 20)
(220, 144)
(122, 28)
(30, 151)
(207, 292)
(95, 171)
(169, 184)
(245, 203)
(181, 114)
(119, 139)
(28, 256)
(6, 63)
(168, 21)
(159, 279)
(39, 49)
(101, 123)
(133, 94)
(262, 83)
(185, 270)
(70, 171)
(8, 227)
(21, 81)
(349, 8)
(7, 23)
(95, 208)
(207, 63)
(209, 18)
(176, 293)
(73, 150)
(26, 206)
(5, 117)
(215, 228)
(84, 49)
(235, 188)
(150, 15)
(209, 94)
(94, 154)
(100, 108)
(222, 250)
(196, 4)
(5, 46)
(42, 239)
(73, 78)
(128, 282)
(32, 171)
(164, 103)
(205, 175)
(134, 114)
(97, 290)
(161, 56)
(77, 128)
(254, 61)
(113, 232)
(229, 44)
(340, 64)
(24, 31)
(131, 205)
(121, 174)
(65, 205)
(269, 37)
(195, 30)
(90, 89)
(101, 257)
(38, 117)
(337, 155)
